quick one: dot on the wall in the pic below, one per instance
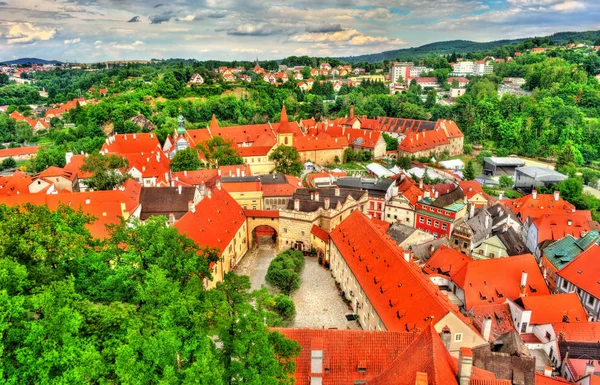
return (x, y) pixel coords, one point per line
(491, 245)
(469, 336)
(259, 164)
(399, 210)
(231, 256)
(322, 157)
(249, 200)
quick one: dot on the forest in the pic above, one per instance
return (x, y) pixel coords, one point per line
(128, 309)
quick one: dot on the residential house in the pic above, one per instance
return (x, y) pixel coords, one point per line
(386, 289)
(218, 221)
(437, 215)
(402, 207)
(325, 66)
(246, 190)
(475, 194)
(19, 153)
(169, 202)
(427, 82)
(581, 275)
(380, 191)
(59, 177)
(195, 80)
(74, 164)
(576, 341)
(554, 226)
(406, 236)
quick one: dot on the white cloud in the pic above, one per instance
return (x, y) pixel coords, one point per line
(73, 41)
(98, 42)
(130, 47)
(20, 33)
(247, 50)
(569, 6)
(137, 42)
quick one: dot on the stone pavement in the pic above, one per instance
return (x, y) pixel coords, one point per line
(256, 262)
(318, 303)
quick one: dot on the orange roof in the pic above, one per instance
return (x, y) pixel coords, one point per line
(427, 354)
(425, 140)
(17, 183)
(363, 138)
(254, 151)
(526, 206)
(346, 350)
(262, 213)
(470, 188)
(122, 144)
(194, 178)
(540, 379)
(252, 186)
(284, 125)
(578, 332)
(403, 297)
(320, 233)
(195, 137)
(556, 226)
(27, 150)
(75, 164)
(320, 142)
(54, 171)
(495, 280)
(151, 165)
(283, 189)
(446, 261)
(584, 271)
(235, 170)
(552, 308)
(411, 191)
(500, 315)
(214, 221)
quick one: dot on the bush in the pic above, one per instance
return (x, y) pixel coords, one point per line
(284, 269)
(285, 307)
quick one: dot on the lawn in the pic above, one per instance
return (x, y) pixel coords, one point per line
(466, 158)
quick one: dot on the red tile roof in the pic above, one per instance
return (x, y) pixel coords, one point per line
(282, 189)
(427, 354)
(422, 141)
(500, 315)
(214, 221)
(411, 191)
(236, 170)
(18, 183)
(553, 308)
(584, 271)
(75, 166)
(319, 142)
(19, 151)
(446, 261)
(540, 379)
(194, 178)
(344, 351)
(403, 297)
(253, 186)
(262, 213)
(254, 151)
(320, 233)
(364, 138)
(54, 171)
(578, 332)
(526, 206)
(122, 144)
(556, 226)
(494, 280)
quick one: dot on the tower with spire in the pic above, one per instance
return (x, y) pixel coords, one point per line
(285, 135)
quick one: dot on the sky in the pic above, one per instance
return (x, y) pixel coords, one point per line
(99, 30)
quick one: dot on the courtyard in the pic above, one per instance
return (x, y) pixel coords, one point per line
(318, 303)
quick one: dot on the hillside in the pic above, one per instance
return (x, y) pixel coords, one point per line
(29, 60)
(464, 46)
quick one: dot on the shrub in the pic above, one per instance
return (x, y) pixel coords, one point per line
(285, 307)
(284, 269)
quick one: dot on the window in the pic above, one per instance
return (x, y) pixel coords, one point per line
(591, 300)
(465, 245)
(565, 284)
(458, 337)
(421, 220)
(436, 224)
(435, 235)
(524, 327)
(429, 222)
(456, 242)
(444, 226)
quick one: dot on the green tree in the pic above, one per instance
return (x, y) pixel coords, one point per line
(391, 144)
(469, 171)
(220, 152)
(9, 163)
(287, 160)
(506, 181)
(569, 154)
(570, 189)
(107, 171)
(186, 160)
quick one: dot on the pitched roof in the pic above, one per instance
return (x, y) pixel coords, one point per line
(584, 271)
(556, 226)
(494, 280)
(319, 233)
(422, 141)
(578, 332)
(53, 171)
(122, 144)
(321, 141)
(194, 178)
(309, 203)
(553, 308)
(526, 206)
(75, 165)
(215, 220)
(446, 261)
(166, 200)
(18, 151)
(403, 297)
(17, 183)
(500, 315)
(424, 251)
(540, 379)
(566, 249)
(344, 351)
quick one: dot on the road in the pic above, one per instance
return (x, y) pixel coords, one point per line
(256, 262)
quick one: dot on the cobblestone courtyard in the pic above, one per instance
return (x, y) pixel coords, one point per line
(318, 303)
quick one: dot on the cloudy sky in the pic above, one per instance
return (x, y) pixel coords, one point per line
(97, 30)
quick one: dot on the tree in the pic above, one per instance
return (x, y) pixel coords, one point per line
(108, 171)
(506, 181)
(391, 144)
(569, 154)
(570, 189)
(220, 152)
(349, 155)
(287, 160)
(9, 163)
(469, 171)
(404, 162)
(431, 98)
(186, 160)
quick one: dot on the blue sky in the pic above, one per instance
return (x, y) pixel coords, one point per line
(98, 30)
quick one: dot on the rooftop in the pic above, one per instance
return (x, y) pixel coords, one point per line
(504, 161)
(584, 271)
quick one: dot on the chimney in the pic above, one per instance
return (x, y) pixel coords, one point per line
(158, 156)
(465, 366)
(219, 172)
(171, 219)
(218, 184)
(420, 197)
(486, 328)
(202, 189)
(544, 273)
(209, 193)
(501, 195)
(191, 206)
(472, 211)
(534, 194)
(487, 220)
(569, 222)
(316, 195)
(327, 203)
(68, 157)
(134, 136)
(179, 189)
(124, 212)
(421, 379)
(185, 173)
(523, 284)
(548, 371)
(237, 171)
(88, 201)
(421, 184)
(556, 196)
(589, 368)
(407, 255)
(437, 194)
(337, 191)
(296, 204)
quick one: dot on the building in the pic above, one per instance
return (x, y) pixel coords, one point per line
(477, 68)
(581, 275)
(246, 190)
(554, 227)
(501, 166)
(400, 72)
(217, 221)
(195, 80)
(59, 177)
(324, 207)
(403, 206)
(437, 215)
(428, 82)
(380, 192)
(170, 202)
(19, 153)
(386, 289)
(530, 177)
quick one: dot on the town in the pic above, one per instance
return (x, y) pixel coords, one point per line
(322, 205)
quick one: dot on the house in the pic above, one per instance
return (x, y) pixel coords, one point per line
(475, 194)
(218, 221)
(170, 202)
(529, 177)
(278, 190)
(380, 191)
(385, 288)
(298, 76)
(195, 80)
(150, 169)
(427, 82)
(452, 164)
(228, 76)
(462, 81)
(16, 184)
(580, 340)
(303, 86)
(281, 77)
(123, 144)
(556, 226)
(557, 254)
(314, 72)
(325, 66)
(581, 276)
(324, 207)
(59, 177)
(406, 236)
(74, 164)
(437, 215)
(402, 207)
(19, 153)
(246, 190)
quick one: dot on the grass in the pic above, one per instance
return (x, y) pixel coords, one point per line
(476, 165)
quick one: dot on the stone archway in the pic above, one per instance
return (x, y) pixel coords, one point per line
(264, 234)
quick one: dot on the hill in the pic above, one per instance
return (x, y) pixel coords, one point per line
(29, 60)
(465, 46)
